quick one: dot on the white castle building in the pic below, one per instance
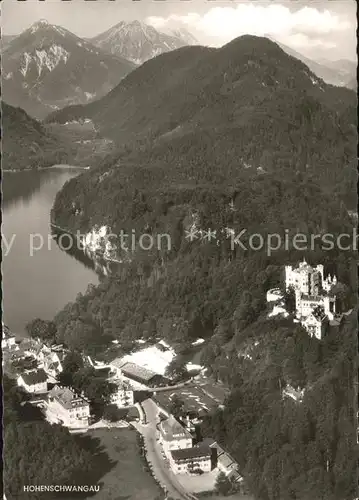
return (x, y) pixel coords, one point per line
(309, 280)
(314, 307)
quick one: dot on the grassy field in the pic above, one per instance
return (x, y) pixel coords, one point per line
(128, 478)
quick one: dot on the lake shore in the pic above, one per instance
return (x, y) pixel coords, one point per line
(34, 262)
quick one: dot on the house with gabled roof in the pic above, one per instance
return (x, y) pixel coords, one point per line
(173, 436)
(316, 323)
(72, 409)
(34, 381)
(225, 462)
(189, 460)
(51, 363)
(8, 340)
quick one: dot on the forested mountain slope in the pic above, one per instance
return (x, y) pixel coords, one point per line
(289, 449)
(26, 143)
(337, 73)
(244, 107)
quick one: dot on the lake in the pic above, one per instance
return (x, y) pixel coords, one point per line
(41, 282)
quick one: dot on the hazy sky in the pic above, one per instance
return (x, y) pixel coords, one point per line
(317, 29)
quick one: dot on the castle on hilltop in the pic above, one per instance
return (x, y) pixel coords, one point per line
(314, 306)
(309, 280)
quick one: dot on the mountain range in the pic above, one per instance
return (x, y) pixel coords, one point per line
(352, 84)
(343, 66)
(186, 89)
(138, 42)
(5, 40)
(339, 73)
(47, 67)
(203, 116)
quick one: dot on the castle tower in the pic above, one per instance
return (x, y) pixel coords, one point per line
(326, 304)
(329, 307)
(315, 282)
(298, 304)
(288, 277)
(320, 269)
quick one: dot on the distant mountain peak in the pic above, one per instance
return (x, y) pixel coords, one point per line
(139, 26)
(185, 35)
(42, 23)
(47, 67)
(138, 41)
(138, 23)
(43, 27)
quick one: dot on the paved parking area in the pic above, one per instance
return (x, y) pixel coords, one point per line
(218, 392)
(194, 398)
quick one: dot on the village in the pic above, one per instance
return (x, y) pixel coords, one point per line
(166, 410)
(180, 461)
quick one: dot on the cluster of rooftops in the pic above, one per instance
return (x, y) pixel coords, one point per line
(68, 397)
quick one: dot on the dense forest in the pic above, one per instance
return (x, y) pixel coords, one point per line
(289, 449)
(242, 137)
(199, 285)
(27, 144)
(198, 115)
(38, 453)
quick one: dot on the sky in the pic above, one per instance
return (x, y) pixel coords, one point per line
(323, 29)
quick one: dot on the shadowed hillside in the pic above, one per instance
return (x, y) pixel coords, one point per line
(201, 115)
(26, 143)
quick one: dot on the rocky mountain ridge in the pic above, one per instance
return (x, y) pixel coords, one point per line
(47, 67)
(338, 73)
(138, 42)
(248, 110)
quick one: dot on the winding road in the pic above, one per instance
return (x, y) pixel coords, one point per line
(160, 467)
